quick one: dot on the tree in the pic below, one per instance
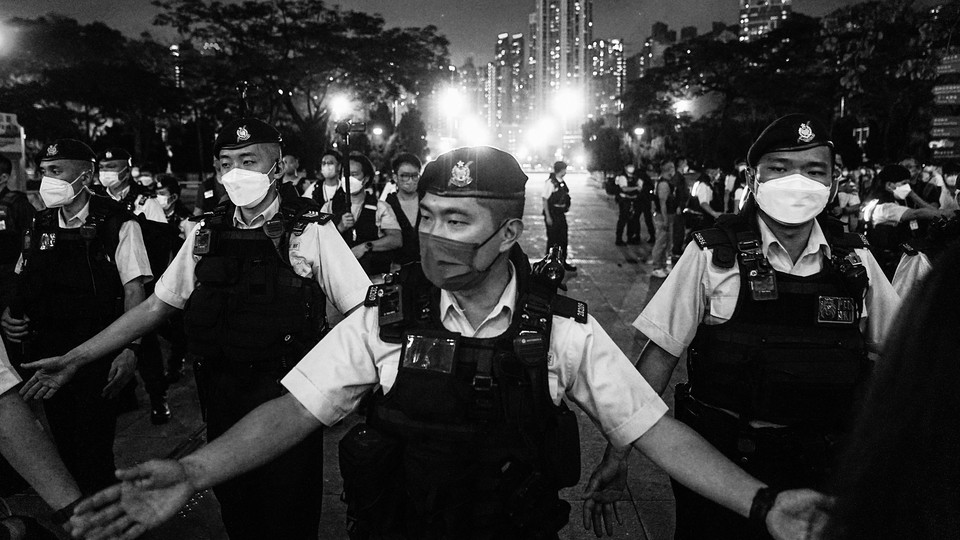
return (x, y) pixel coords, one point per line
(297, 54)
(411, 134)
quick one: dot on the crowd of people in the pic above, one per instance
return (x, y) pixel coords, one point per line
(782, 287)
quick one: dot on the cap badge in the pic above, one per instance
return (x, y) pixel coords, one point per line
(805, 133)
(109, 155)
(461, 174)
(242, 133)
(52, 150)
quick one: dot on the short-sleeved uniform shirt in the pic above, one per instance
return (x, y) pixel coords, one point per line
(130, 256)
(583, 363)
(887, 213)
(703, 192)
(698, 291)
(148, 206)
(319, 253)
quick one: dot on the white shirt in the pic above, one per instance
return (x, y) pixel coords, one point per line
(844, 200)
(886, 213)
(130, 256)
(548, 188)
(583, 363)
(703, 192)
(8, 376)
(319, 253)
(148, 206)
(698, 291)
(910, 272)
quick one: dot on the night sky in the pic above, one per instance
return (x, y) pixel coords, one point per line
(470, 25)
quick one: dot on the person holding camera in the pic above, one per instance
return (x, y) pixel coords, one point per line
(777, 309)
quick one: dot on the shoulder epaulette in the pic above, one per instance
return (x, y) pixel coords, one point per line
(373, 296)
(569, 308)
(724, 252)
(909, 250)
(851, 241)
(201, 217)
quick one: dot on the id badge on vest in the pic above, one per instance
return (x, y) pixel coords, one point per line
(836, 310)
(428, 350)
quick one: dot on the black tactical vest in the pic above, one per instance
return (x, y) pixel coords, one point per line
(484, 449)
(249, 305)
(559, 201)
(70, 287)
(365, 230)
(11, 235)
(792, 353)
(410, 250)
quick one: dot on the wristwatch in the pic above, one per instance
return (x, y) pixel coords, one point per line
(369, 246)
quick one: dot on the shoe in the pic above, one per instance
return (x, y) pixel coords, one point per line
(659, 273)
(569, 267)
(159, 410)
(620, 242)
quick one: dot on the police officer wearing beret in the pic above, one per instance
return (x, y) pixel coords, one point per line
(116, 182)
(467, 435)
(253, 280)
(83, 265)
(777, 309)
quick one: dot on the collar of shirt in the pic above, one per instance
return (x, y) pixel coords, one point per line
(260, 219)
(810, 262)
(118, 196)
(497, 321)
(76, 221)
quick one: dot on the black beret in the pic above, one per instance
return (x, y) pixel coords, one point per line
(482, 172)
(67, 149)
(244, 132)
(114, 154)
(793, 132)
(893, 174)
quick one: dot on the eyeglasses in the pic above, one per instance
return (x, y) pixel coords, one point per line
(408, 177)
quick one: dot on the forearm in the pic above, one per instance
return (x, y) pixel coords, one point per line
(919, 201)
(133, 324)
(693, 462)
(710, 211)
(24, 444)
(920, 213)
(656, 366)
(265, 433)
(133, 295)
(391, 239)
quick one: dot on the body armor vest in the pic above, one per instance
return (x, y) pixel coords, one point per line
(249, 305)
(11, 236)
(792, 353)
(70, 287)
(484, 449)
(410, 250)
(559, 201)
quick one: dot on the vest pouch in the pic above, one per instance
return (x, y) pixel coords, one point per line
(217, 270)
(260, 277)
(427, 389)
(803, 383)
(562, 448)
(372, 471)
(723, 379)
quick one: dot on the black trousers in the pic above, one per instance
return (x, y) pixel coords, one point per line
(150, 365)
(282, 498)
(778, 456)
(628, 218)
(83, 425)
(557, 233)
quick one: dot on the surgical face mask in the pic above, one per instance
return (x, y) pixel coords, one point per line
(145, 180)
(950, 180)
(356, 185)
(56, 193)
(792, 199)
(164, 201)
(328, 171)
(902, 191)
(450, 264)
(110, 179)
(247, 189)
(631, 170)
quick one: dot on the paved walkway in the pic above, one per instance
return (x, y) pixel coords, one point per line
(612, 280)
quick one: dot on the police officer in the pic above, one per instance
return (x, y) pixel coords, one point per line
(16, 215)
(777, 309)
(405, 202)
(556, 204)
(467, 436)
(705, 203)
(117, 183)
(253, 279)
(83, 266)
(628, 202)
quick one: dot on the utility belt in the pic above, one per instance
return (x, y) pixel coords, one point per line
(782, 456)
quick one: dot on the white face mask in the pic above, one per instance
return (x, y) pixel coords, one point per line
(356, 185)
(110, 179)
(792, 199)
(56, 193)
(245, 188)
(950, 180)
(145, 180)
(328, 171)
(901, 192)
(164, 201)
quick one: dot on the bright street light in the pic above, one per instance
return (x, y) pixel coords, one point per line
(451, 102)
(683, 105)
(378, 131)
(638, 131)
(473, 131)
(568, 102)
(340, 106)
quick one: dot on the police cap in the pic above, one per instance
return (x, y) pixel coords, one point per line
(71, 149)
(244, 132)
(114, 154)
(790, 133)
(892, 174)
(481, 172)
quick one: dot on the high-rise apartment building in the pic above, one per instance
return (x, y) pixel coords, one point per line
(608, 73)
(561, 32)
(509, 83)
(757, 17)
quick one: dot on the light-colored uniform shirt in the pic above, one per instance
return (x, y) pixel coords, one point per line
(548, 188)
(130, 256)
(703, 192)
(910, 272)
(698, 291)
(319, 253)
(148, 206)
(8, 376)
(583, 363)
(843, 201)
(884, 213)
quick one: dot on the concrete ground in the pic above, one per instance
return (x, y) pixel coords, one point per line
(612, 280)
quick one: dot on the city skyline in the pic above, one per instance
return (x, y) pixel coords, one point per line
(627, 20)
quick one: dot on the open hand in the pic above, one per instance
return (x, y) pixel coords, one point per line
(121, 371)
(605, 488)
(148, 495)
(52, 373)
